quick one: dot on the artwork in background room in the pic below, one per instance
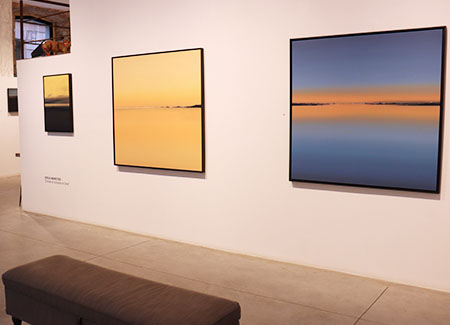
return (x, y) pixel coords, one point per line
(366, 109)
(158, 110)
(13, 105)
(58, 109)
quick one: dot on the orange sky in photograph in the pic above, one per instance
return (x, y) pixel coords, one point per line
(56, 86)
(368, 94)
(162, 79)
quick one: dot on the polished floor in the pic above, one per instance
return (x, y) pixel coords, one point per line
(269, 292)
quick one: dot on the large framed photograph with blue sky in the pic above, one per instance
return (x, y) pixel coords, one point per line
(366, 109)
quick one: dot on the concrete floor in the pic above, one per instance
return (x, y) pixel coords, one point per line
(269, 292)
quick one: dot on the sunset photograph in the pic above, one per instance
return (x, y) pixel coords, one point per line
(58, 103)
(158, 110)
(366, 109)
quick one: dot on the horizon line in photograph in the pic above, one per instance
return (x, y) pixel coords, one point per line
(159, 106)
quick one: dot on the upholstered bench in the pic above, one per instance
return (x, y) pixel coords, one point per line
(63, 291)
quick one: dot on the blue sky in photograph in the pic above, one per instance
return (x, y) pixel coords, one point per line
(400, 58)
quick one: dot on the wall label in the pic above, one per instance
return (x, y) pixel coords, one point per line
(55, 180)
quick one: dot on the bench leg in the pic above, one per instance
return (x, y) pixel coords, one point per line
(16, 321)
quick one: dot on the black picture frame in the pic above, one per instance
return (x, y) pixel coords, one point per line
(318, 130)
(13, 103)
(200, 148)
(58, 104)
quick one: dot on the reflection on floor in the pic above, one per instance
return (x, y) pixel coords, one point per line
(269, 292)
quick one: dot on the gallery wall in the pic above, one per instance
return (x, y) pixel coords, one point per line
(9, 132)
(244, 201)
(9, 123)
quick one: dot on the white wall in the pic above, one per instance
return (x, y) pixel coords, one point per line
(9, 123)
(244, 202)
(9, 131)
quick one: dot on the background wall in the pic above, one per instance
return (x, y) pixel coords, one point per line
(9, 123)
(9, 131)
(244, 202)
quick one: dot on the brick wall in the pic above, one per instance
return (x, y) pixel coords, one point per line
(59, 20)
(6, 49)
(63, 19)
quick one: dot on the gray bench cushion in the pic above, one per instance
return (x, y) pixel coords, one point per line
(101, 296)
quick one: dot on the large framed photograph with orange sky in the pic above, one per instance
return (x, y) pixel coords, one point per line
(158, 110)
(367, 109)
(58, 108)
